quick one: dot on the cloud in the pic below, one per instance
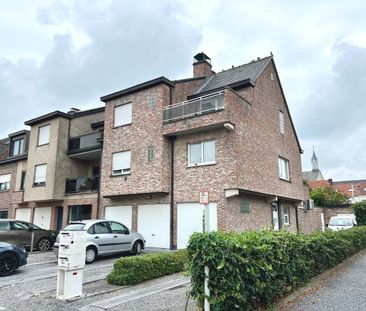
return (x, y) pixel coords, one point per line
(96, 49)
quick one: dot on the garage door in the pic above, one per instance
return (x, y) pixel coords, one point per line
(153, 222)
(42, 217)
(190, 220)
(23, 214)
(121, 214)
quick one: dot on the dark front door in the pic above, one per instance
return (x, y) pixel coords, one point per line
(60, 213)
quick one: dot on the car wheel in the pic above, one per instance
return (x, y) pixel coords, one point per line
(44, 244)
(8, 264)
(90, 255)
(137, 248)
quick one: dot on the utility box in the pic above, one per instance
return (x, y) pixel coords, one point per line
(71, 262)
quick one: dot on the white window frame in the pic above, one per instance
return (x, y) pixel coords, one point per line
(284, 164)
(282, 122)
(20, 146)
(5, 180)
(123, 114)
(40, 180)
(286, 215)
(124, 169)
(45, 130)
(202, 153)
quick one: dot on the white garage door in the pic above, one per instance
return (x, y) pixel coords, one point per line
(153, 222)
(42, 217)
(121, 214)
(23, 214)
(190, 217)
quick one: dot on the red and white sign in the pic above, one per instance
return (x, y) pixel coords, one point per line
(204, 197)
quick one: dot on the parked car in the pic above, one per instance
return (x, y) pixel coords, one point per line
(20, 233)
(342, 222)
(105, 237)
(11, 258)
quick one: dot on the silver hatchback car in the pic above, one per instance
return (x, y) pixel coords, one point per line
(105, 237)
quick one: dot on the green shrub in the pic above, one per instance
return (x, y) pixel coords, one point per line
(136, 269)
(249, 270)
(360, 212)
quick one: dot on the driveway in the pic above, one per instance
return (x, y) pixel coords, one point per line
(33, 287)
(343, 290)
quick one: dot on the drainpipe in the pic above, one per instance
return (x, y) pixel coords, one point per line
(297, 219)
(100, 173)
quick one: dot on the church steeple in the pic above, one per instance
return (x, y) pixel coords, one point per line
(314, 162)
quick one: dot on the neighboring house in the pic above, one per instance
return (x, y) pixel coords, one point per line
(229, 133)
(315, 173)
(62, 169)
(13, 152)
(354, 189)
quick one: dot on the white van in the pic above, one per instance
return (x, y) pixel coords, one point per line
(342, 222)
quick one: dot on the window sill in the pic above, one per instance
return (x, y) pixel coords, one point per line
(6, 190)
(201, 164)
(123, 125)
(43, 145)
(286, 180)
(39, 185)
(120, 175)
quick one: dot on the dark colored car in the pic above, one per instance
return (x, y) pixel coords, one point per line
(11, 258)
(20, 233)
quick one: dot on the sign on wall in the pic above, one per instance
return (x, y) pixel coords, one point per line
(204, 196)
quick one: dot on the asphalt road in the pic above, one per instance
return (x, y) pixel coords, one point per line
(33, 287)
(344, 290)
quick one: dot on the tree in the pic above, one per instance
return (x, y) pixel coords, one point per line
(327, 196)
(360, 212)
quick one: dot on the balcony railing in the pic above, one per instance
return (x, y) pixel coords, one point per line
(82, 184)
(85, 142)
(194, 107)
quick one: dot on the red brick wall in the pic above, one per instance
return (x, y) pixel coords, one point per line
(310, 220)
(7, 195)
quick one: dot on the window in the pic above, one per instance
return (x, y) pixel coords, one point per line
(101, 228)
(43, 135)
(40, 175)
(79, 212)
(150, 153)
(201, 153)
(118, 228)
(5, 182)
(123, 114)
(286, 215)
(151, 101)
(244, 206)
(17, 225)
(283, 168)
(282, 122)
(17, 147)
(22, 180)
(121, 163)
(3, 215)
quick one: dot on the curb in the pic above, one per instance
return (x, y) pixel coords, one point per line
(316, 282)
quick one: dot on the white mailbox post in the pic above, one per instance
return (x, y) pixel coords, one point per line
(71, 262)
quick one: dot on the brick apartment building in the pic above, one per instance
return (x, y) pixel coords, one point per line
(230, 133)
(164, 141)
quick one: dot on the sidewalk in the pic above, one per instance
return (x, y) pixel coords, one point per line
(342, 290)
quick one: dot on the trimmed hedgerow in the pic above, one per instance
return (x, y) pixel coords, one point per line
(136, 269)
(249, 270)
(360, 212)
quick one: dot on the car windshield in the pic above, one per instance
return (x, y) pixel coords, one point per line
(340, 222)
(74, 227)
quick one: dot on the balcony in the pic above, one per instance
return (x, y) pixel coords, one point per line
(194, 107)
(201, 114)
(81, 184)
(86, 147)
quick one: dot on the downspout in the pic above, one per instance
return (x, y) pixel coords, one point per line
(297, 219)
(100, 173)
(172, 139)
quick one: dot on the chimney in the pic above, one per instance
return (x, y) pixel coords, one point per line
(202, 65)
(73, 111)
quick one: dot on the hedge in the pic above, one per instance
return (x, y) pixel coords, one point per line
(136, 269)
(248, 271)
(360, 212)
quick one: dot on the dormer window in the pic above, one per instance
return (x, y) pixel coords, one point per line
(17, 147)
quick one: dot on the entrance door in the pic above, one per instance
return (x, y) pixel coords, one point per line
(60, 213)
(275, 218)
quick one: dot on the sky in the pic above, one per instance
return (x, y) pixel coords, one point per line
(55, 55)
